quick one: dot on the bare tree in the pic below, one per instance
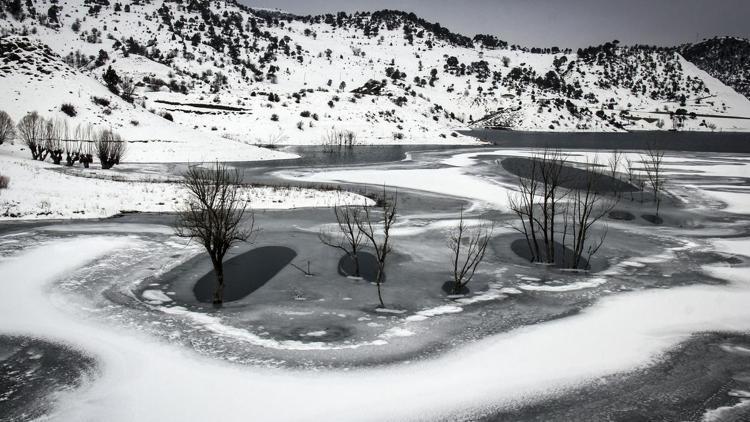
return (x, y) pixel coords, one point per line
(614, 163)
(633, 174)
(347, 237)
(468, 245)
(523, 205)
(538, 218)
(586, 207)
(653, 166)
(550, 170)
(110, 148)
(7, 129)
(215, 215)
(380, 242)
(31, 130)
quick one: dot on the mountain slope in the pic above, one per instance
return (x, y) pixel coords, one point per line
(35, 78)
(726, 58)
(388, 77)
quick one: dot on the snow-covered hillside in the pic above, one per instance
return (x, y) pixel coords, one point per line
(262, 77)
(34, 78)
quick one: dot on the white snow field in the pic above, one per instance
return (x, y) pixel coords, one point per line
(150, 380)
(42, 190)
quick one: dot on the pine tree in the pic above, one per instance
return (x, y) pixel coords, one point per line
(111, 79)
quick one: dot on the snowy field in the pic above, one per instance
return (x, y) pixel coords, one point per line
(104, 290)
(41, 190)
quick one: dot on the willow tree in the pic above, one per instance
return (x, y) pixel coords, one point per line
(7, 130)
(215, 214)
(31, 131)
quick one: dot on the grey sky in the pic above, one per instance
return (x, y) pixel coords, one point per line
(565, 23)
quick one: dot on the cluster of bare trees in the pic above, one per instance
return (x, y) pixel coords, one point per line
(357, 226)
(647, 173)
(335, 140)
(554, 211)
(55, 139)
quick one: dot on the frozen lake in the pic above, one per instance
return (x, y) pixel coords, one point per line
(666, 307)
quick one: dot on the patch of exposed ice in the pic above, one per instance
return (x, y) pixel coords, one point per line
(390, 311)
(397, 332)
(633, 264)
(432, 312)
(155, 297)
(576, 285)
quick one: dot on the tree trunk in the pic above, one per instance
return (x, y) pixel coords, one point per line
(377, 281)
(356, 263)
(219, 290)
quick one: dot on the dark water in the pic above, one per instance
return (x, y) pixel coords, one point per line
(737, 142)
(315, 156)
(31, 370)
(245, 273)
(569, 177)
(368, 266)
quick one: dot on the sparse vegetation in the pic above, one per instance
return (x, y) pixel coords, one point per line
(69, 109)
(335, 140)
(100, 101)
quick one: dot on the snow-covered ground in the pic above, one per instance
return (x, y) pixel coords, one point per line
(41, 190)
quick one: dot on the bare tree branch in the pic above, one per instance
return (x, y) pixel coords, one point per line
(468, 245)
(379, 242)
(215, 214)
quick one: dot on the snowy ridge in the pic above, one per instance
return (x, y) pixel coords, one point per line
(265, 77)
